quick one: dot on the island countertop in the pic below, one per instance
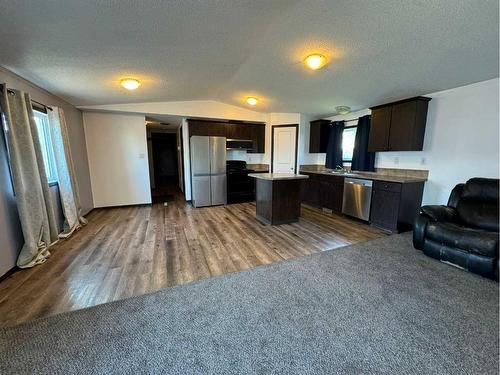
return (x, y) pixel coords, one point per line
(278, 176)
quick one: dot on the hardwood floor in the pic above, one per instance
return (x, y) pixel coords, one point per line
(129, 251)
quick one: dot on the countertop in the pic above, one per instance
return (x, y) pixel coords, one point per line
(278, 176)
(258, 167)
(369, 176)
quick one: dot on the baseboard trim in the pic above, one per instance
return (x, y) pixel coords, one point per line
(9, 273)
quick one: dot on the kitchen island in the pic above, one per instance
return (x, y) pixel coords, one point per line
(278, 197)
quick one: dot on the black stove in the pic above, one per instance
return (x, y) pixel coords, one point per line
(240, 187)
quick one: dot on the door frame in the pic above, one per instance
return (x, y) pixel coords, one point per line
(149, 138)
(296, 126)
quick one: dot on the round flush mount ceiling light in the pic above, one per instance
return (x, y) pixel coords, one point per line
(315, 61)
(343, 109)
(252, 101)
(130, 83)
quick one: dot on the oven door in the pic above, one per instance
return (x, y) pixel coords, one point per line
(240, 187)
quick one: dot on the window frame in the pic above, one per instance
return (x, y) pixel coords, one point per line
(347, 127)
(46, 140)
(5, 130)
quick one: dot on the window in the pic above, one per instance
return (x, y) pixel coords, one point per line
(4, 134)
(42, 125)
(348, 143)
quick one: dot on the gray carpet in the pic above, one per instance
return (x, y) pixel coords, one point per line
(377, 307)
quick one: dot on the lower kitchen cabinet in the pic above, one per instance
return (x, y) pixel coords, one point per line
(395, 205)
(310, 190)
(323, 191)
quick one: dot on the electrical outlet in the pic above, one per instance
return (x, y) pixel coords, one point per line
(396, 160)
(142, 156)
(423, 161)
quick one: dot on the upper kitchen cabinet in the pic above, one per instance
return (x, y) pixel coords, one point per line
(207, 128)
(255, 132)
(379, 129)
(399, 126)
(259, 138)
(318, 136)
(238, 131)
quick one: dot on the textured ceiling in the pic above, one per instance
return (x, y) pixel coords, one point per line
(225, 50)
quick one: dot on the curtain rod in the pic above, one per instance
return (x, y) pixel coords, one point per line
(43, 105)
(353, 119)
(32, 101)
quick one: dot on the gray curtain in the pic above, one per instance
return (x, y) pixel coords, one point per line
(68, 187)
(38, 219)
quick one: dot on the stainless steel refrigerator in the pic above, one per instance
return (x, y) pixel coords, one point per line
(208, 171)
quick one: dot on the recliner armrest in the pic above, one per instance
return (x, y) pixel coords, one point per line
(419, 230)
(440, 213)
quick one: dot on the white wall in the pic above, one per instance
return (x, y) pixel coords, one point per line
(237, 155)
(118, 158)
(196, 108)
(461, 139)
(304, 156)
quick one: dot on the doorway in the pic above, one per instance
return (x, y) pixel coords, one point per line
(284, 144)
(164, 167)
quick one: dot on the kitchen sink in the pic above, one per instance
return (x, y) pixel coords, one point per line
(342, 173)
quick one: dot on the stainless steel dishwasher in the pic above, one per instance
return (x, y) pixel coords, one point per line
(357, 198)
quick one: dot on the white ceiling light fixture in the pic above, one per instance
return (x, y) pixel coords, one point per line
(252, 100)
(130, 83)
(315, 61)
(343, 109)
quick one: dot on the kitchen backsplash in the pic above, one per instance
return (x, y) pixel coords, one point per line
(418, 173)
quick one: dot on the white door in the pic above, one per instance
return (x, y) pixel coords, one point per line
(284, 143)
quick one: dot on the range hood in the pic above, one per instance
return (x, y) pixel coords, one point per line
(239, 144)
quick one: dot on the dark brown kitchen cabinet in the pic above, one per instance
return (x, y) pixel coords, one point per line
(395, 205)
(323, 191)
(325, 195)
(331, 192)
(259, 139)
(238, 131)
(379, 129)
(399, 126)
(310, 191)
(217, 129)
(198, 128)
(318, 136)
(231, 130)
